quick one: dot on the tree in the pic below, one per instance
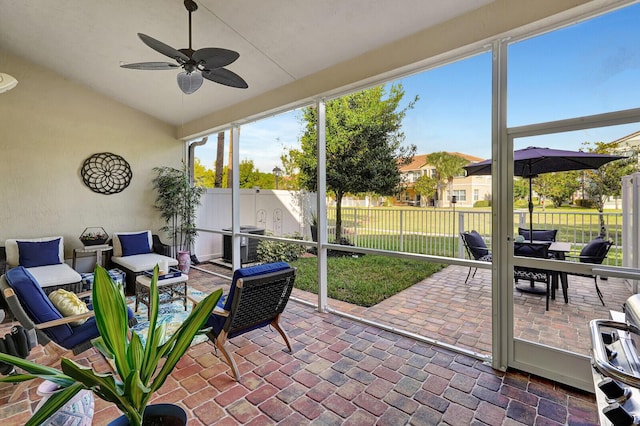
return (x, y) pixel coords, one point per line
(251, 177)
(520, 188)
(426, 186)
(558, 187)
(363, 145)
(203, 176)
(606, 181)
(290, 169)
(447, 167)
(177, 201)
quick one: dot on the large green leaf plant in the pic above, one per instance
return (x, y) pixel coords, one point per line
(137, 366)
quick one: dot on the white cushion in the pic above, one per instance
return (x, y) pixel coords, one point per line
(142, 262)
(55, 275)
(117, 246)
(13, 253)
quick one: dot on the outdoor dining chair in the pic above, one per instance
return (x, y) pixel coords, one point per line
(595, 252)
(538, 234)
(533, 275)
(476, 249)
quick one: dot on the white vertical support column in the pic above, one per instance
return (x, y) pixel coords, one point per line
(235, 196)
(502, 213)
(322, 206)
(631, 224)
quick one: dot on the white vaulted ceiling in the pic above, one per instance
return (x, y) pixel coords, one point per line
(279, 41)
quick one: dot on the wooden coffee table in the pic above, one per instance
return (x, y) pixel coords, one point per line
(175, 288)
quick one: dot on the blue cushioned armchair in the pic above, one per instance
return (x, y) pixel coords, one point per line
(44, 259)
(136, 252)
(257, 297)
(32, 308)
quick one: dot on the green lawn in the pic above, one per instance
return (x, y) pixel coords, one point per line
(363, 281)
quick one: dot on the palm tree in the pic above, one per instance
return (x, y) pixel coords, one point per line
(447, 166)
(219, 161)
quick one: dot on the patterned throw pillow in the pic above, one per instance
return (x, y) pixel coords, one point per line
(68, 304)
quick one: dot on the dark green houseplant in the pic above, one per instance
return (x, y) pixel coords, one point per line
(177, 199)
(138, 373)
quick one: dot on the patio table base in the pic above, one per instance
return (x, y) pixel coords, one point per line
(528, 288)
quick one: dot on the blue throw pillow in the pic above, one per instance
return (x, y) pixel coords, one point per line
(476, 243)
(594, 251)
(539, 234)
(39, 253)
(135, 243)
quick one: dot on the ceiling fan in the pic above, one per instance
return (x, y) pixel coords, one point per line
(207, 62)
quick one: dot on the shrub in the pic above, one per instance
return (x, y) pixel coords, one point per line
(482, 203)
(587, 204)
(521, 204)
(279, 251)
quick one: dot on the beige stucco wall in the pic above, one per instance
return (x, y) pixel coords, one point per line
(48, 127)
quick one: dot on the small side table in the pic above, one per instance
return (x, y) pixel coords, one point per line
(174, 288)
(98, 251)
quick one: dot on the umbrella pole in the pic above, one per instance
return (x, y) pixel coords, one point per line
(530, 212)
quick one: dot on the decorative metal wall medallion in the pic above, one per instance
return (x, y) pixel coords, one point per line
(106, 173)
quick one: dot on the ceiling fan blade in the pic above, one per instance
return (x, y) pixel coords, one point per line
(167, 50)
(150, 66)
(214, 57)
(225, 77)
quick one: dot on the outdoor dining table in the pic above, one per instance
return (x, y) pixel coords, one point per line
(559, 251)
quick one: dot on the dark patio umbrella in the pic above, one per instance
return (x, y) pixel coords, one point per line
(532, 161)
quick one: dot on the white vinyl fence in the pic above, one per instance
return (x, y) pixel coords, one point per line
(415, 230)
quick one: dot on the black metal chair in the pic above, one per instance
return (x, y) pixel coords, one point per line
(533, 275)
(595, 252)
(476, 249)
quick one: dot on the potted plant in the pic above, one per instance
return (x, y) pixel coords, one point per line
(313, 224)
(138, 373)
(94, 236)
(177, 199)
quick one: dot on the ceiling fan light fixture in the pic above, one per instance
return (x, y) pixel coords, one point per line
(189, 82)
(7, 82)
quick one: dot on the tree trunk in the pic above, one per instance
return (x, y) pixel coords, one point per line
(230, 165)
(600, 200)
(219, 161)
(339, 196)
(450, 192)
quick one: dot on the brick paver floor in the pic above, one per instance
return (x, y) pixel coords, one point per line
(340, 372)
(444, 308)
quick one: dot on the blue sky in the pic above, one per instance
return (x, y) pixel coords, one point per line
(588, 68)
